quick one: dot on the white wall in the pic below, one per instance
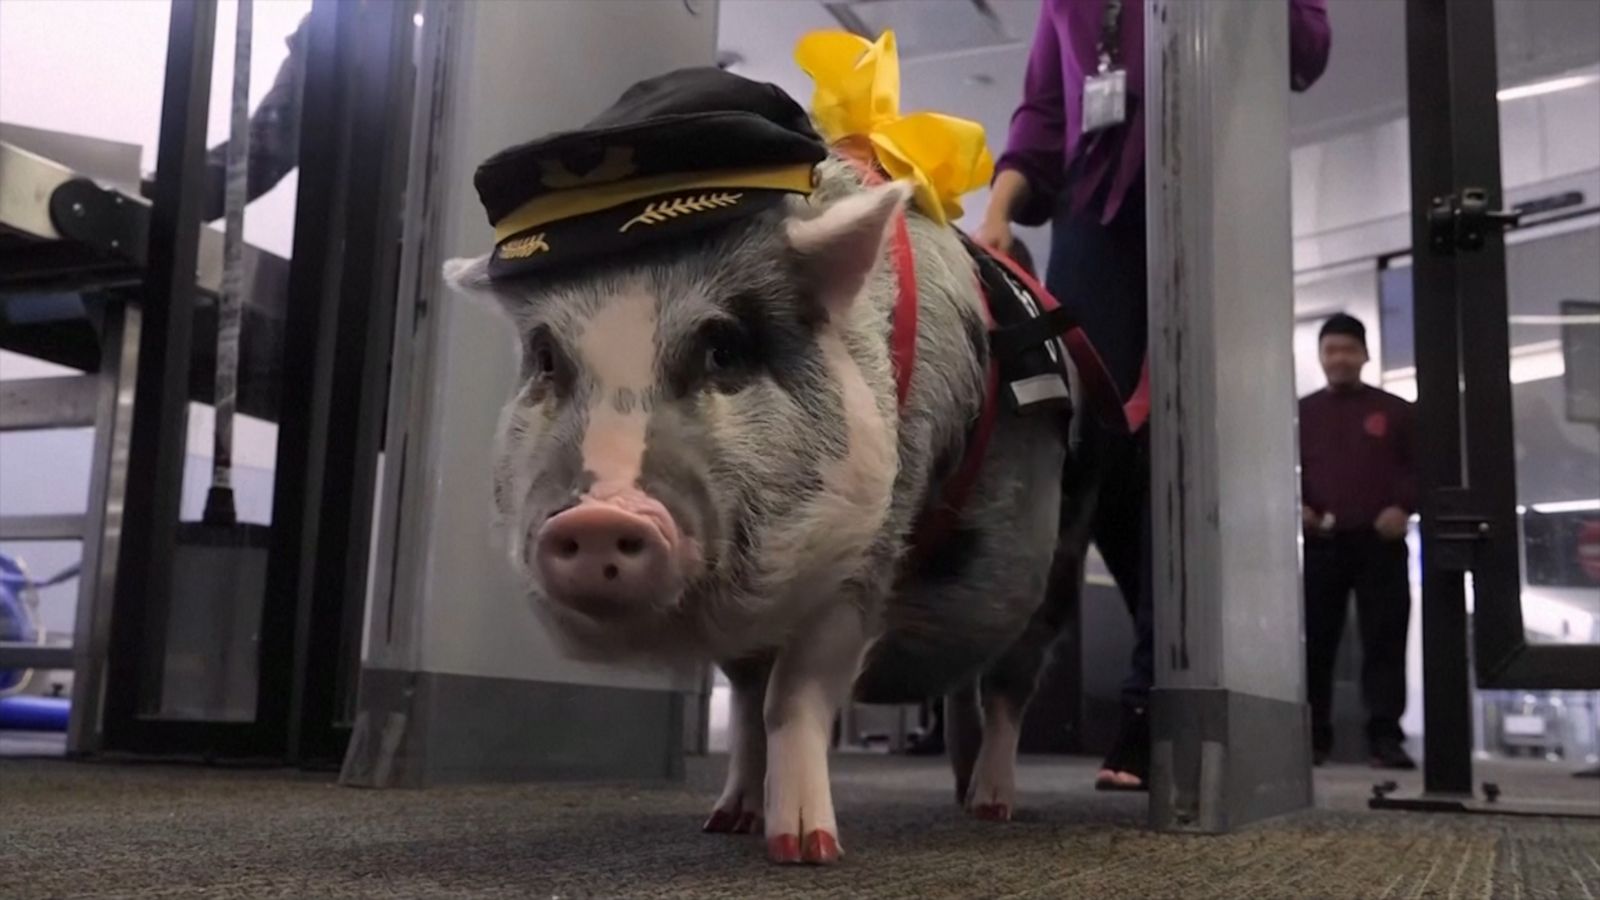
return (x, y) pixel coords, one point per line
(1352, 193)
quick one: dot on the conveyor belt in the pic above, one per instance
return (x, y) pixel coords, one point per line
(69, 242)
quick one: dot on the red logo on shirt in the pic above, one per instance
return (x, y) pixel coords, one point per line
(1589, 548)
(1377, 424)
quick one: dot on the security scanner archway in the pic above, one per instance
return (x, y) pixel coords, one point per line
(216, 648)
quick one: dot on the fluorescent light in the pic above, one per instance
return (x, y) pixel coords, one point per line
(1548, 86)
(1536, 362)
(1554, 320)
(1562, 506)
(1529, 362)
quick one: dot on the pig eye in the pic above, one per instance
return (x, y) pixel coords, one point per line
(726, 355)
(720, 357)
(538, 356)
(544, 361)
(541, 362)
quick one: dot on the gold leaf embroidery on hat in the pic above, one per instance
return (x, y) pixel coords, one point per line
(524, 247)
(656, 213)
(615, 165)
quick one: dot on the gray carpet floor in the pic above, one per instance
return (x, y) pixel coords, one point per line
(76, 830)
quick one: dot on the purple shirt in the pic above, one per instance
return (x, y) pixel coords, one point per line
(1047, 129)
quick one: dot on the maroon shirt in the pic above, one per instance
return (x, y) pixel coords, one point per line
(1355, 455)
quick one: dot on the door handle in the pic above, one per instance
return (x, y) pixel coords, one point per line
(1460, 221)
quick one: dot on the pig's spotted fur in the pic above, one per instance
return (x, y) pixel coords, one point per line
(801, 488)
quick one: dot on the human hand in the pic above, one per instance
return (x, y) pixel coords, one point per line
(995, 234)
(1391, 523)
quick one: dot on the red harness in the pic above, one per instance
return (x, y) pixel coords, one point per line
(939, 522)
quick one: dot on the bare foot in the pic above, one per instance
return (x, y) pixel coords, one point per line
(1113, 778)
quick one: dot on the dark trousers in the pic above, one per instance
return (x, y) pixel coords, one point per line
(1097, 271)
(1121, 532)
(1376, 571)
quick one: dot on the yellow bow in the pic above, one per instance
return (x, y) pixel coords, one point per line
(858, 94)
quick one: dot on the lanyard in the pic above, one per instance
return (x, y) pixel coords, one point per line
(1110, 31)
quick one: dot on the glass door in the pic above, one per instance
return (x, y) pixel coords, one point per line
(1503, 109)
(1529, 339)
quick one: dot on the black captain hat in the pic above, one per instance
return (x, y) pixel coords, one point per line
(675, 154)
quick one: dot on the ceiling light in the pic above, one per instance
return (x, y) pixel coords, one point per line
(1554, 320)
(1562, 506)
(1548, 86)
(1529, 362)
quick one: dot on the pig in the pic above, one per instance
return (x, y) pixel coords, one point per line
(704, 460)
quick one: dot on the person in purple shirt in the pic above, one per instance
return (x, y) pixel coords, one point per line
(1358, 488)
(1070, 163)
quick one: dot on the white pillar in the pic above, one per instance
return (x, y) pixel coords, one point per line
(1231, 731)
(459, 681)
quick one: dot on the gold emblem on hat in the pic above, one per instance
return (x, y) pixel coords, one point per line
(524, 247)
(666, 210)
(615, 165)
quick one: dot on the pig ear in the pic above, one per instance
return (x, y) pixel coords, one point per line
(840, 247)
(470, 276)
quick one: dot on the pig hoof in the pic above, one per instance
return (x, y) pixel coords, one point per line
(784, 848)
(821, 847)
(992, 812)
(722, 821)
(750, 823)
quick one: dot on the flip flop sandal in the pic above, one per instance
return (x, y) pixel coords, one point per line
(1130, 755)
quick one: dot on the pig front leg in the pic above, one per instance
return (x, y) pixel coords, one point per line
(739, 809)
(809, 682)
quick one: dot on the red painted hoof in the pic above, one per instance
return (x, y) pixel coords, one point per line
(750, 823)
(821, 847)
(722, 821)
(992, 812)
(784, 848)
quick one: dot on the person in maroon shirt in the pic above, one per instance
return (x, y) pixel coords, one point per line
(1358, 489)
(1083, 170)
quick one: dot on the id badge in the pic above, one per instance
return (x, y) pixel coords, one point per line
(1105, 99)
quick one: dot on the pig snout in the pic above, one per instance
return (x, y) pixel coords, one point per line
(609, 557)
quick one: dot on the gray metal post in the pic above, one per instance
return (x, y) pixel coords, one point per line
(459, 682)
(1230, 728)
(102, 534)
